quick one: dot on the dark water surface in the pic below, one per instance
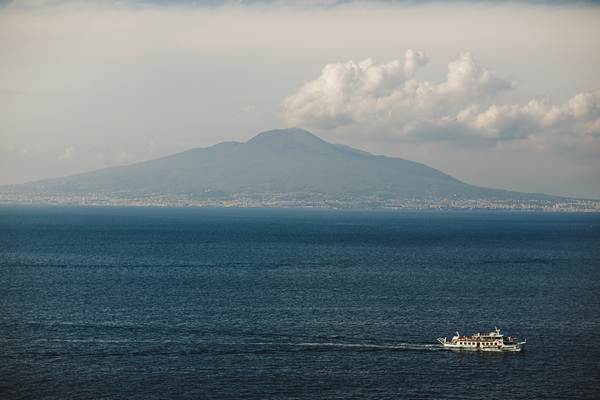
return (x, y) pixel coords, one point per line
(294, 304)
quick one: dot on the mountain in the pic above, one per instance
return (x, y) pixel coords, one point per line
(289, 167)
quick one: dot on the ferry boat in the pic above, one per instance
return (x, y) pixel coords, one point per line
(484, 341)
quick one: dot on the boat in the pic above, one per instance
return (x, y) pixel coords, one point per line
(484, 341)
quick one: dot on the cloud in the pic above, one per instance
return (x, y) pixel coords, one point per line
(386, 99)
(469, 80)
(368, 91)
(124, 158)
(352, 92)
(68, 154)
(414, 59)
(574, 124)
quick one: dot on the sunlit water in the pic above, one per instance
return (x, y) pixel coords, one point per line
(294, 304)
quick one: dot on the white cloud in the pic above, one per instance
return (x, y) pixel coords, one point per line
(385, 99)
(469, 80)
(69, 152)
(349, 93)
(414, 59)
(573, 125)
(358, 93)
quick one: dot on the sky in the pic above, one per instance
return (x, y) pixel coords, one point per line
(497, 94)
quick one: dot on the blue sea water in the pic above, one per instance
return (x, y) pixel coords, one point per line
(112, 303)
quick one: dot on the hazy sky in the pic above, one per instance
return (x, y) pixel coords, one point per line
(497, 94)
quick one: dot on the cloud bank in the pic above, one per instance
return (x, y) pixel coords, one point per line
(387, 99)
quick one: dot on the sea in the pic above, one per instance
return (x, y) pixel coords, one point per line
(263, 303)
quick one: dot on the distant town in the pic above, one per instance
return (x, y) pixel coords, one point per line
(305, 200)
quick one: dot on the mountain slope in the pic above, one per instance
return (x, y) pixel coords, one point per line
(278, 160)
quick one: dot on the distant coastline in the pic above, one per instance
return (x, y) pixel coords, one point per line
(293, 200)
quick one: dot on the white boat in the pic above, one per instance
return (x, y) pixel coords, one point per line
(484, 341)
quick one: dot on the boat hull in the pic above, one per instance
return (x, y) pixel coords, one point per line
(516, 347)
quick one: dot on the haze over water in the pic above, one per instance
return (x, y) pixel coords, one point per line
(294, 304)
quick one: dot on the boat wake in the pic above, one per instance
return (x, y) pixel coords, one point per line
(368, 346)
